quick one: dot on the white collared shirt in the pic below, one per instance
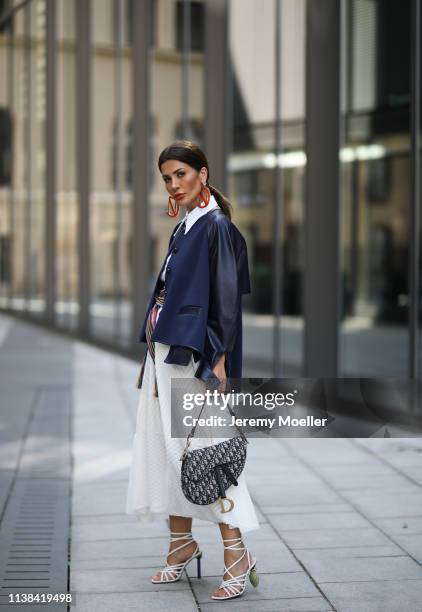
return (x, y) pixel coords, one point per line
(190, 218)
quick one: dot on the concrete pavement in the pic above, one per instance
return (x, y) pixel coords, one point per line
(341, 519)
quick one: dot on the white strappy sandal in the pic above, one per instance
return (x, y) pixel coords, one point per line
(173, 573)
(236, 585)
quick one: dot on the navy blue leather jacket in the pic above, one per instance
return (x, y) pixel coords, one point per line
(202, 312)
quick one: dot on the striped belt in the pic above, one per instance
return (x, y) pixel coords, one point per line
(149, 330)
(152, 321)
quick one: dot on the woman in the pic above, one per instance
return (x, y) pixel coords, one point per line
(194, 317)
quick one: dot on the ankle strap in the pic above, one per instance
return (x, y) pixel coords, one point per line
(236, 543)
(180, 535)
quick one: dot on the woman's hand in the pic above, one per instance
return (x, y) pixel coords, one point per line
(220, 371)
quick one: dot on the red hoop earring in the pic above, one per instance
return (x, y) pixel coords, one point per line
(203, 200)
(172, 209)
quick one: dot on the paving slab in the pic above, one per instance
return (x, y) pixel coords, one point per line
(136, 602)
(145, 561)
(409, 525)
(376, 596)
(294, 495)
(341, 519)
(112, 580)
(325, 567)
(385, 482)
(128, 547)
(305, 508)
(334, 538)
(271, 586)
(384, 504)
(349, 552)
(327, 520)
(296, 604)
(412, 544)
(115, 530)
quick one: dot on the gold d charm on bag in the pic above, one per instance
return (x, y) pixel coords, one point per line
(231, 502)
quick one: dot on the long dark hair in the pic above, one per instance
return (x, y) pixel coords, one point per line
(189, 153)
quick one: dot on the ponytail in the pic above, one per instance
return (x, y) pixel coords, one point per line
(222, 201)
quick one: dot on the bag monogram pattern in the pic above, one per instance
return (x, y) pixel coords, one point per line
(207, 472)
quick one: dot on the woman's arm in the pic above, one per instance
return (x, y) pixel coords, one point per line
(220, 371)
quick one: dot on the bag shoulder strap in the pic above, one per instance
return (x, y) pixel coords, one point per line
(192, 431)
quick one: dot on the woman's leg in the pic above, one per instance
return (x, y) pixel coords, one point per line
(179, 524)
(230, 556)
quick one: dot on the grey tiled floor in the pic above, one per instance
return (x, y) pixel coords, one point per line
(341, 519)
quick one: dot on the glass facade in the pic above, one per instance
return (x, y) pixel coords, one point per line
(376, 193)
(265, 83)
(66, 200)
(36, 162)
(6, 188)
(177, 103)
(111, 194)
(23, 116)
(417, 230)
(259, 81)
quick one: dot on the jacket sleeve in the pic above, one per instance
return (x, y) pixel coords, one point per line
(180, 355)
(224, 296)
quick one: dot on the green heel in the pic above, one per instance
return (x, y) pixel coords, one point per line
(253, 577)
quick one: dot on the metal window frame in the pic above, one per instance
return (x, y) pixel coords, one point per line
(141, 239)
(216, 126)
(11, 100)
(322, 188)
(27, 279)
(119, 135)
(83, 148)
(278, 263)
(415, 191)
(50, 139)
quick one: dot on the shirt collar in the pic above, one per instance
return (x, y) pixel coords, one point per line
(195, 214)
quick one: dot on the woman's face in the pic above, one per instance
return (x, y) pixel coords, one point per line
(183, 182)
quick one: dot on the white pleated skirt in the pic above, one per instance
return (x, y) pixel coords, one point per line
(154, 489)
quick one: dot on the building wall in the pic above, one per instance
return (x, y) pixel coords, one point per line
(266, 168)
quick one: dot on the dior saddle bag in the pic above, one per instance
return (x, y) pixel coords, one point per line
(207, 472)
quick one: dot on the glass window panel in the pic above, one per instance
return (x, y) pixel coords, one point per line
(37, 159)
(67, 271)
(375, 191)
(419, 261)
(251, 167)
(293, 163)
(111, 181)
(103, 22)
(177, 103)
(65, 20)
(103, 200)
(197, 24)
(6, 127)
(20, 146)
(125, 185)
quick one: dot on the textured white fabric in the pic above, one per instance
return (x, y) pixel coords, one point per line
(154, 489)
(190, 218)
